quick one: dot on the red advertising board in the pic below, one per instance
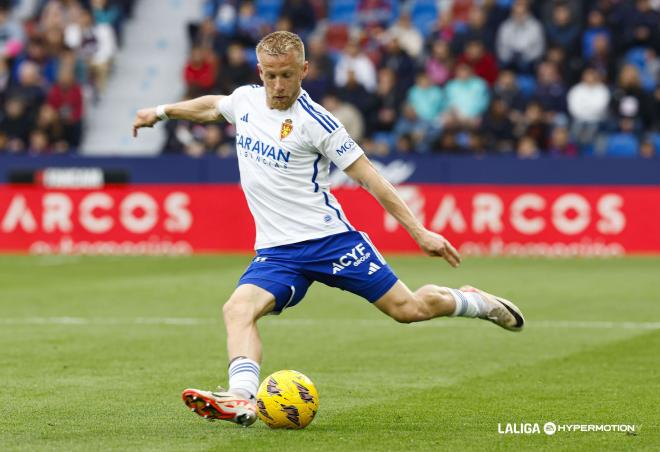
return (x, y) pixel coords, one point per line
(478, 219)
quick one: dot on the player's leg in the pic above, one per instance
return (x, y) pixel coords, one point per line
(432, 301)
(245, 306)
(269, 285)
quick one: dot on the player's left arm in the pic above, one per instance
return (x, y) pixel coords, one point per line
(365, 174)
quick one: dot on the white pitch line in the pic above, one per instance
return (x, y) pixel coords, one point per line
(195, 321)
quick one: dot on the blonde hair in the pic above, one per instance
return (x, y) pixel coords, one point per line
(280, 43)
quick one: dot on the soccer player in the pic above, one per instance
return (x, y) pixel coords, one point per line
(285, 143)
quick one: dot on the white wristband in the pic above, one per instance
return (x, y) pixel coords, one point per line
(160, 112)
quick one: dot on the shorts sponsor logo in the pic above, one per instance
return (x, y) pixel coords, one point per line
(355, 257)
(373, 268)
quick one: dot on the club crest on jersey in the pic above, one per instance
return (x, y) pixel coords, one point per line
(286, 129)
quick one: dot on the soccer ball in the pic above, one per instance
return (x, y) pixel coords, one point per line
(287, 399)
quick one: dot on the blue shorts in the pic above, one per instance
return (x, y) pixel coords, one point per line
(347, 260)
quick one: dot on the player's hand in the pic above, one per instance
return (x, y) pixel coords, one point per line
(144, 118)
(436, 245)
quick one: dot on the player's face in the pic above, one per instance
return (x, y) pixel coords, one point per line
(282, 76)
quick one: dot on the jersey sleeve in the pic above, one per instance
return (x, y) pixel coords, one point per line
(227, 104)
(339, 147)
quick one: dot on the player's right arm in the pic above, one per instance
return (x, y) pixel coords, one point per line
(202, 109)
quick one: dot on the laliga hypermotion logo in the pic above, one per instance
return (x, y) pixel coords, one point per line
(286, 129)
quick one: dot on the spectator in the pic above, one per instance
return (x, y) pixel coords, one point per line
(11, 31)
(347, 114)
(520, 41)
(316, 84)
(15, 125)
(640, 24)
(301, 14)
(570, 69)
(647, 149)
(496, 13)
(387, 102)
(443, 29)
(29, 89)
(596, 26)
(481, 61)
(532, 125)
(560, 144)
(550, 93)
(527, 148)
(506, 89)
(35, 53)
(563, 30)
(213, 139)
(66, 98)
(208, 37)
(353, 60)
(106, 12)
(317, 54)
(200, 72)
(408, 37)
(237, 71)
(497, 128)
(602, 59)
(629, 101)
(467, 99)
(356, 95)
(421, 133)
(38, 143)
(587, 103)
(426, 99)
(439, 65)
(399, 61)
(49, 122)
(476, 30)
(96, 45)
(459, 9)
(249, 26)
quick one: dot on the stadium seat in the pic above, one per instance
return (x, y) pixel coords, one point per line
(424, 14)
(622, 145)
(336, 36)
(526, 84)
(268, 10)
(636, 56)
(342, 11)
(655, 139)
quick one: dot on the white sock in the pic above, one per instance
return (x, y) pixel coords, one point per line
(244, 377)
(468, 304)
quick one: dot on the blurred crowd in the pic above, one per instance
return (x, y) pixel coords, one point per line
(55, 57)
(552, 77)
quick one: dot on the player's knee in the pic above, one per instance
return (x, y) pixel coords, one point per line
(235, 310)
(408, 311)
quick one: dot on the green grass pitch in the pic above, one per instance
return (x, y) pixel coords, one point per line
(94, 353)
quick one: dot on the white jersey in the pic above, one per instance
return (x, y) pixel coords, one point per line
(284, 160)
